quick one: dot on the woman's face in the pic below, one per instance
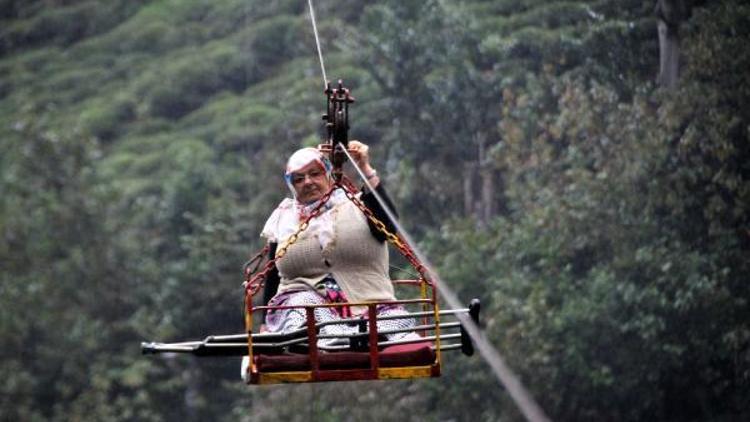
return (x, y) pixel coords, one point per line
(310, 183)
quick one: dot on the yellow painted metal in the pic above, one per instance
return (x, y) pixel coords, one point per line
(284, 377)
(249, 330)
(405, 372)
(438, 355)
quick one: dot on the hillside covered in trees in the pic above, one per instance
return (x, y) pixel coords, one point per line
(581, 166)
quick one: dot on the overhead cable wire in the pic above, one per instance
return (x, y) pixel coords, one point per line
(520, 395)
(317, 43)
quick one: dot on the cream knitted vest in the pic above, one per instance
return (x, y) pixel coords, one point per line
(357, 260)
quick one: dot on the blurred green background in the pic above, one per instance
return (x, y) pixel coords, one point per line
(602, 217)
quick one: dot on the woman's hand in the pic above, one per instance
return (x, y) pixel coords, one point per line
(360, 153)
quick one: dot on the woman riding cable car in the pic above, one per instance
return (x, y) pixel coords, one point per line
(340, 257)
(331, 310)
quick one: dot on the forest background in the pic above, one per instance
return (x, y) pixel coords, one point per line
(583, 177)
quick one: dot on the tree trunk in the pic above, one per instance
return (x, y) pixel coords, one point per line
(485, 209)
(488, 194)
(669, 48)
(671, 13)
(469, 169)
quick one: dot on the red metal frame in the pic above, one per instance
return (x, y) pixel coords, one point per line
(428, 301)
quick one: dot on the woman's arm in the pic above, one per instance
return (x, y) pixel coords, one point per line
(361, 154)
(369, 199)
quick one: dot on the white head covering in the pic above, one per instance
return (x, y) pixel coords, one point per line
(300, 159)
(288, 215)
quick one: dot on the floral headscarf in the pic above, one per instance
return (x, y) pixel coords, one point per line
(287, 217)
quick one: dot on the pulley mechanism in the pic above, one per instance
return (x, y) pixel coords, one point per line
(337, 126)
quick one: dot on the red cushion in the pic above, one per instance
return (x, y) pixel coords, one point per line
(282, 363)
(417, 354)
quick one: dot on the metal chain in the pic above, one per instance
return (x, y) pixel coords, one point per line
(253, 283)
(394, 239)
(252, 265)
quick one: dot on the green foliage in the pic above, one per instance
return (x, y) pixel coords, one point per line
(104, 119)
(188, 81)
(620, 251)
(142, 149)
(33, 24)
